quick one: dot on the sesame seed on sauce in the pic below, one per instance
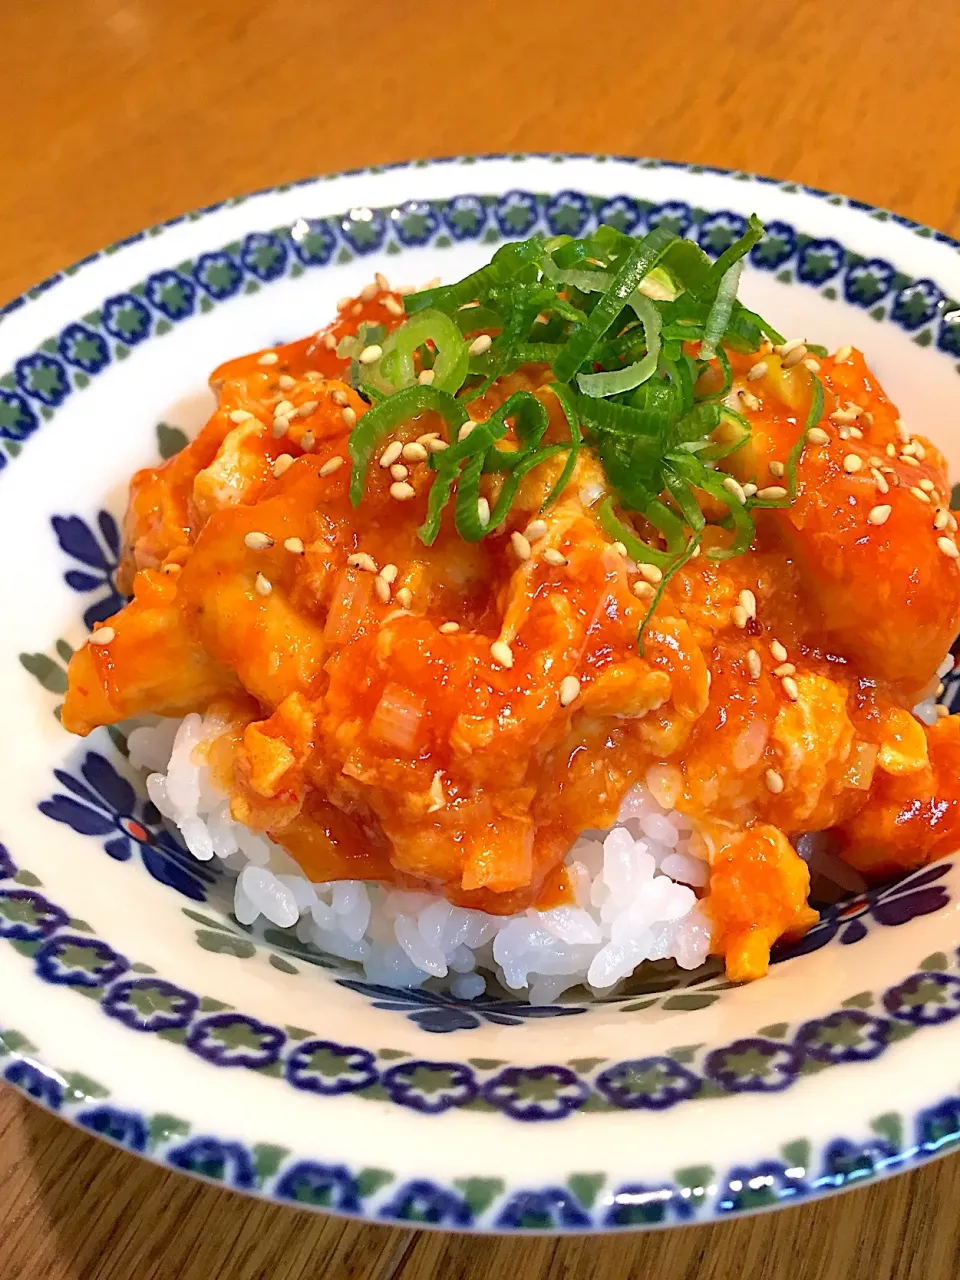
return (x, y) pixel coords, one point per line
(817, 435)
(381, 281)
(940, 520)
(483, 511)
(344, 302)
(307, 441)
(502, 654)
(330, 342)
(621, 549)
(361, 560)
(405, 597)
(268, 357)
(293, 545)
(393, 306)
(879, 515)
(811, 364)
(535, 529)
(340, 398)
(777, 469)
(389, 573)
(240, 415)
(778, 650)
(785, 669)
(909, 459)
(262, 585)
(948, 547)
(466, 429)
(479, 345)
(554, 557)
(331, 465)
(879, 480)
(308, 407)
(449, 628)
(642, 590)
(792, 344)
(789, 686)
(425, 377)
(399, 472)
(284, 409)
(749, 401)
(569, 690)
(368, 292)
(852, 463)
(402, 491)
(356, 309)
(919, 493)
(749, 489)
(842, 355)
(756, 371)
(173, 568)
(774, 781)
(258, 541)
(739, 617)
(748, 602)
(928, 486)
(733, 486)
(650, 573)
(520, 545)
(285, 382)
(753, 663)
(382, 590)
(283, 463)
(772, 491)
(891, 450)
(845, 416)
(437, 445)
(349, 416)
(792, 358)
(390, 454)
(414, 452)
(369, 355)
(102, 635)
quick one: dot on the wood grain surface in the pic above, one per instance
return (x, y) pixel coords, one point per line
(120, 113)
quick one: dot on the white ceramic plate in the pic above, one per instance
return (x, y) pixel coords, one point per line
(130, 1001)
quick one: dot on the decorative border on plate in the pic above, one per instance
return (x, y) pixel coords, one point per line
(41, 381)
(65, 952)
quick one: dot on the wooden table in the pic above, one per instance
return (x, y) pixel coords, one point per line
(119, 113)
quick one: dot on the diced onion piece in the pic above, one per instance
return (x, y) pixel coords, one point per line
(351, 600)
(860, 765)
(396, 721)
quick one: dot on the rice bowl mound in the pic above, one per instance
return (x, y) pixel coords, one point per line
(633, 884)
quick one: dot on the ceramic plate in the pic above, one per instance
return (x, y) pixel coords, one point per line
(133, 1005)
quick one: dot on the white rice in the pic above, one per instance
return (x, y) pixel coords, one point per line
(634, 889)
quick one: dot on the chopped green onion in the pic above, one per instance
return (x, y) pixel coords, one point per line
(612, 382)
(389, 414)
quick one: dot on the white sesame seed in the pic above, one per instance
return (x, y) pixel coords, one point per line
(102, 635)
(777, 469)
(502, 654)
(792, 344)
(344, 302)
(879, 480)
(262, 585)
(382, 590)
(339, 397)
(370, 354)
(479, 345)
(757, 371)
(569, 690)
(942, 712)
(465, 430)
(738, 616)
(449, 628)
(240, 415)
(414, 452)
(330, 342)
(817, 435)
(749, 401)
(361, 560)
(852, 463)
(356, 309)
(331, 465)
(280, 426)
(811, 364)
(643, 590)
(842, 355)
(381, 281)
(284, 409)
(940, 519)
(919, 493)
(393, 306)
(282, 464)
(405, 597)
(399, 472)
(785, 669)
(483, 511)
(903, 435)
(437, 446)
(520, 545)
(389, 573)
(349, 416)
(554, 557)
(772, 491)
(879, 515)
(844, 433)
(749, 488)
(778, 650)
(402, 491)
(791, 358)
(909, 459)
(753, 663)
(293, 545)
(391, 453)
(426, 377)
(845, 416)
(774, 781)
(308, 407)
(307, 441)
(748, 602)
(733, 486)
(912, 449)
(951, 522)
(891, 451)
(268, 357)
(789, 686)
(427, 438)
(928, 486)
(535, 529)
(368, 292)
(621, 549)
(650, 573)
(258, 541)
(948, 547)
(285, 382)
